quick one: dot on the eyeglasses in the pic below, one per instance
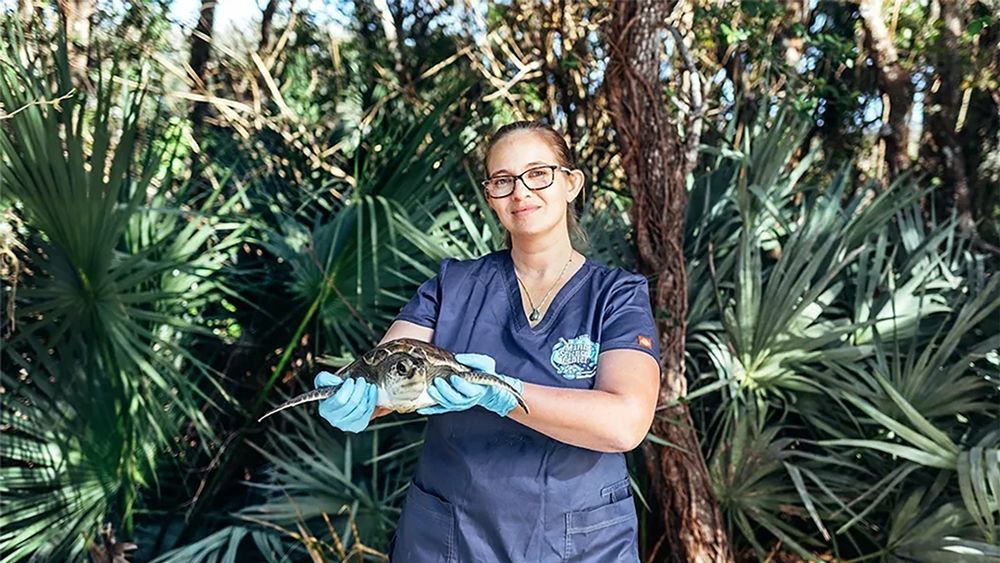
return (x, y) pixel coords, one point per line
(536, 178)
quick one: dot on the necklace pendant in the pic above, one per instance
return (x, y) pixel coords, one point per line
(535, 314)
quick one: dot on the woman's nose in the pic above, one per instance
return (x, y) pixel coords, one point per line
(520, 190)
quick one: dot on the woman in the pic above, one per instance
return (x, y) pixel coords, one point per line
(576, 338)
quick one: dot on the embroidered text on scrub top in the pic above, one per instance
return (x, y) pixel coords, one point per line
(575, 358)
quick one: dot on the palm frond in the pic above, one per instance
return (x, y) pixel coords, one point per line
(101, 380)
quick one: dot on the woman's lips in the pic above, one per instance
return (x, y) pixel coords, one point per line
(520, 212)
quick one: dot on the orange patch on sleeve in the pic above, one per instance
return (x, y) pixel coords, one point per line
(645, 342)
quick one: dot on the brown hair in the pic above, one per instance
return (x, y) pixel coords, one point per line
(564, 157)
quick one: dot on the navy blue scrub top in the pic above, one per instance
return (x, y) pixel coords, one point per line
(486, 487)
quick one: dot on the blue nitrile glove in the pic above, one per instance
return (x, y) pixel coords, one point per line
(457, 394)
(351, 407)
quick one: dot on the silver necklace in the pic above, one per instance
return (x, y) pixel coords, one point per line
(536, 312)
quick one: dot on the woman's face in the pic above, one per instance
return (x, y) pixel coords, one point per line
(525, 212)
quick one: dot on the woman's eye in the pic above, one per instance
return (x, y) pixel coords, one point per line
(503, 182)
(536, 173)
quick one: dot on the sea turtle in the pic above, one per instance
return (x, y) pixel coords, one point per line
(403, 369)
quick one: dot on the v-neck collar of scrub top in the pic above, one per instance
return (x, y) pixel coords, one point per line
(558, 301)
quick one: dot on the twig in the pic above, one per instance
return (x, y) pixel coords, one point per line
(436, 68)
(279, 47)
(54, 102)
(656, 548)
(984, 245)
(273, 87)
(695, 119)
(212, 465)
(523, 74)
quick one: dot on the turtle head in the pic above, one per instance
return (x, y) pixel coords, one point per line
(404, 378)
(402, 367)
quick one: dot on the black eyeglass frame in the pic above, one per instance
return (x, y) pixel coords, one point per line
(520, 177)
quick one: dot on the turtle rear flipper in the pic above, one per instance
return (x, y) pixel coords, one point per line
(484, 378)
(307, 397)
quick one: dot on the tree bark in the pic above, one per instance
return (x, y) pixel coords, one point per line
(77, 15)
(266, 19)
(655, 163)
(796, 13)
(894, 82)
(944, 147)
(264, 47)
(25, 11)
(392, 26)
(201, 49)
(981, 141)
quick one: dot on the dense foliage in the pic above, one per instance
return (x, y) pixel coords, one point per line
(184, 244)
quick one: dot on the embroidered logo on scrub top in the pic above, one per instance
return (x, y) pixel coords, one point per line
(575, 358)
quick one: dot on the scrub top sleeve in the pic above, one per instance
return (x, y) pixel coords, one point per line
(425, 305)
(628, 318)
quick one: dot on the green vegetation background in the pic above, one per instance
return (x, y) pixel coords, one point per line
(197, 220)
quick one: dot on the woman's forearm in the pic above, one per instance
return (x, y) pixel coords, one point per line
(593, 419)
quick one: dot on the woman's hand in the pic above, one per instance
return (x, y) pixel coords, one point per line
(457, 394)
(353, 404)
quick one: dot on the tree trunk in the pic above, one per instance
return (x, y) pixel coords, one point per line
(981, 141)
(655, 162)
(25, 11)
(264, 48)
(266, 19)
(796, 13)
(77, 15)
(944, 149)
(894, 82)
(201, 49)
(392, 26)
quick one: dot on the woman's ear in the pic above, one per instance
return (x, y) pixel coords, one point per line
(576, 181)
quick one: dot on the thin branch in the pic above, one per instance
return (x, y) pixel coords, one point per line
(53, 102)
(695, 118)
(525, 73)
(272, 86)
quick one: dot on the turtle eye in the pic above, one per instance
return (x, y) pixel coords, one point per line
(402, 368)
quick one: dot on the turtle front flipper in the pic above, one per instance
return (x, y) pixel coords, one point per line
(484, 378)
(308, 397)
